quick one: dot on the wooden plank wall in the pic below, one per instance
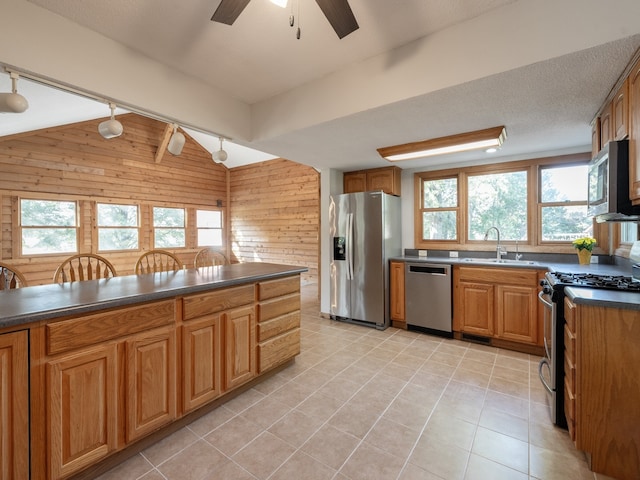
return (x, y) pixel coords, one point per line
(275, 214)
(74, 162)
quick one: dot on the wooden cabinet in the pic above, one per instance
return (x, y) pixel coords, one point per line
(151, 381)
(605, 125)
(82, 393)
(634, 133)
(595, 137)
(498, 303)
(14, 406)
(278, 322)
(386, 179)
(396, 294)
(620, 112)
(601, 347)
(239, 346)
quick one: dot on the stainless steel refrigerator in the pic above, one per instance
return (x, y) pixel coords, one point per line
(365, 232)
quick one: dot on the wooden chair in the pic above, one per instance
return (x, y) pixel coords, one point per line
(84, 266)
(208, 257)
(10, 278)
(157, 261)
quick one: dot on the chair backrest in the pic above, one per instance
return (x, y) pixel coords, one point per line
(10, 277)
(84, 266)
(157, 261)
(208, 257)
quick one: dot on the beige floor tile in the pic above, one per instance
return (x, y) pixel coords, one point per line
(304, 467)
(447, 358)
(502, 422)
(131, 469)
(296, 428)
(244, 401)
(432, 366)
(292, 394)
(234, 435)
(408, 413)
(471, 377)
(393, 437)
(480, 468)
(513, 375)
(340, 388)
(413, 472)
(369, 462)
(331, 446)
(450, 430)
(212, 420)
(442, 459)
(507, 451)
(473, 365)
(549, 465)
(152, 475)
(513, 360)
(486, 355)
(320, 406)
(169, 446)
(229, 470)
(508, 387)
(357, 374)
(507, 403)
(398, 371)
(264, 455)
(355, 419)
(192, 463)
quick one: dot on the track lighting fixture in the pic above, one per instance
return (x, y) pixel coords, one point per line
(13, 102)
(219, 156)
(177, 142)
(110, 128)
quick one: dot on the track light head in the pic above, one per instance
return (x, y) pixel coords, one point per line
(219, 156)
(176, 143)
(110, 128)
(13, 102)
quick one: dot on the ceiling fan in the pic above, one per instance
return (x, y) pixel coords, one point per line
(338, 12)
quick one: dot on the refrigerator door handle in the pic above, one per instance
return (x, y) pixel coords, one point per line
(349, 246)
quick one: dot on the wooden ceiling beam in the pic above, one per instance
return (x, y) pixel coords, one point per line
(168, 130)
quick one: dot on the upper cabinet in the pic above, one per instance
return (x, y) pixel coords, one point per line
(605, 125)
(620, 112)
(386, 179)
(634, 133)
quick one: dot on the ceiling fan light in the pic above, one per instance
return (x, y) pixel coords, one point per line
(13, 103)
(176, 143)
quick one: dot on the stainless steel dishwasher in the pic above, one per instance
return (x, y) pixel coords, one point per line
(428, 297)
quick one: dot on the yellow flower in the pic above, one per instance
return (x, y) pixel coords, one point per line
(584, 243)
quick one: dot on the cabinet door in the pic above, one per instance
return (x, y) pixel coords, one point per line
(517, 314)
(240, 346)
(151, 384)
(396, 283)
(605, 125)
(620, 112)
(634, 133)
(473, 309)
(14, 409)
(201, 361)
(354, 182)
(82, 416)
(382, 180)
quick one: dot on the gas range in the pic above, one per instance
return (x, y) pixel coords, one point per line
(592, 280)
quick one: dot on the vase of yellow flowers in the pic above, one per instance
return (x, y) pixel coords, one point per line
(584, 246)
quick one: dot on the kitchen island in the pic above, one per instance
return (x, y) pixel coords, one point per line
(96, 368)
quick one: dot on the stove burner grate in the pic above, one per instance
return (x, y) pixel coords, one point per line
(592, 280)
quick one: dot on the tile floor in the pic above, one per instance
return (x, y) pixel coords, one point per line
(364, 404)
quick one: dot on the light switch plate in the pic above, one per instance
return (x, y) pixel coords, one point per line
(453, 254)
(422, 253)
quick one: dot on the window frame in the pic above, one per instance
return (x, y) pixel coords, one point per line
(184, 228)
(18, 250)
(98, 227)
(420, 209)
(221, 228)
(534, 227)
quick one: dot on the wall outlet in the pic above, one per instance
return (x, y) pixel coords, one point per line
(422, 253)
(594, 259)
(453, 254)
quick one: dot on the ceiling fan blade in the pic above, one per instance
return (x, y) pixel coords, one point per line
(340, 16)
(228, 11)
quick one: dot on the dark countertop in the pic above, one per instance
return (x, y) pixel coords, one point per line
(45, 302)
(604, 298)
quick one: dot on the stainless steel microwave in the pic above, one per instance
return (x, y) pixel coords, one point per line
(609, 185)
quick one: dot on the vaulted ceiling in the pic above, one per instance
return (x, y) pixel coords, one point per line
(414, 70)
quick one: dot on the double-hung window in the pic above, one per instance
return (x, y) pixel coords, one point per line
(209, 226)
(439, 209)
(169, 225)
(563, 203)
(118, 227)
(48, 226)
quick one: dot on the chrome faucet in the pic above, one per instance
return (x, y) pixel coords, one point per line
(499, 250)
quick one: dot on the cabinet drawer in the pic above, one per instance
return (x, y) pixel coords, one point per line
(279, 287)
(570, 315)
(278, 325)
(100, 327)
(501, 276)
(278, 307)
(217, 301)
(570, 409)
(570, 372)
(278, 350)
(569, 344)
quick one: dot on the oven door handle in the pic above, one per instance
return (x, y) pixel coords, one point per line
(541, 295)
(544, 362)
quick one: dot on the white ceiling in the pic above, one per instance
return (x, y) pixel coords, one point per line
(546, 105)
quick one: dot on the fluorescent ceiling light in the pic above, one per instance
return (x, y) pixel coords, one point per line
(280, 3)
(490, 137)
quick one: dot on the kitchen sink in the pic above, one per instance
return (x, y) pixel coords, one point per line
(502, 260)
